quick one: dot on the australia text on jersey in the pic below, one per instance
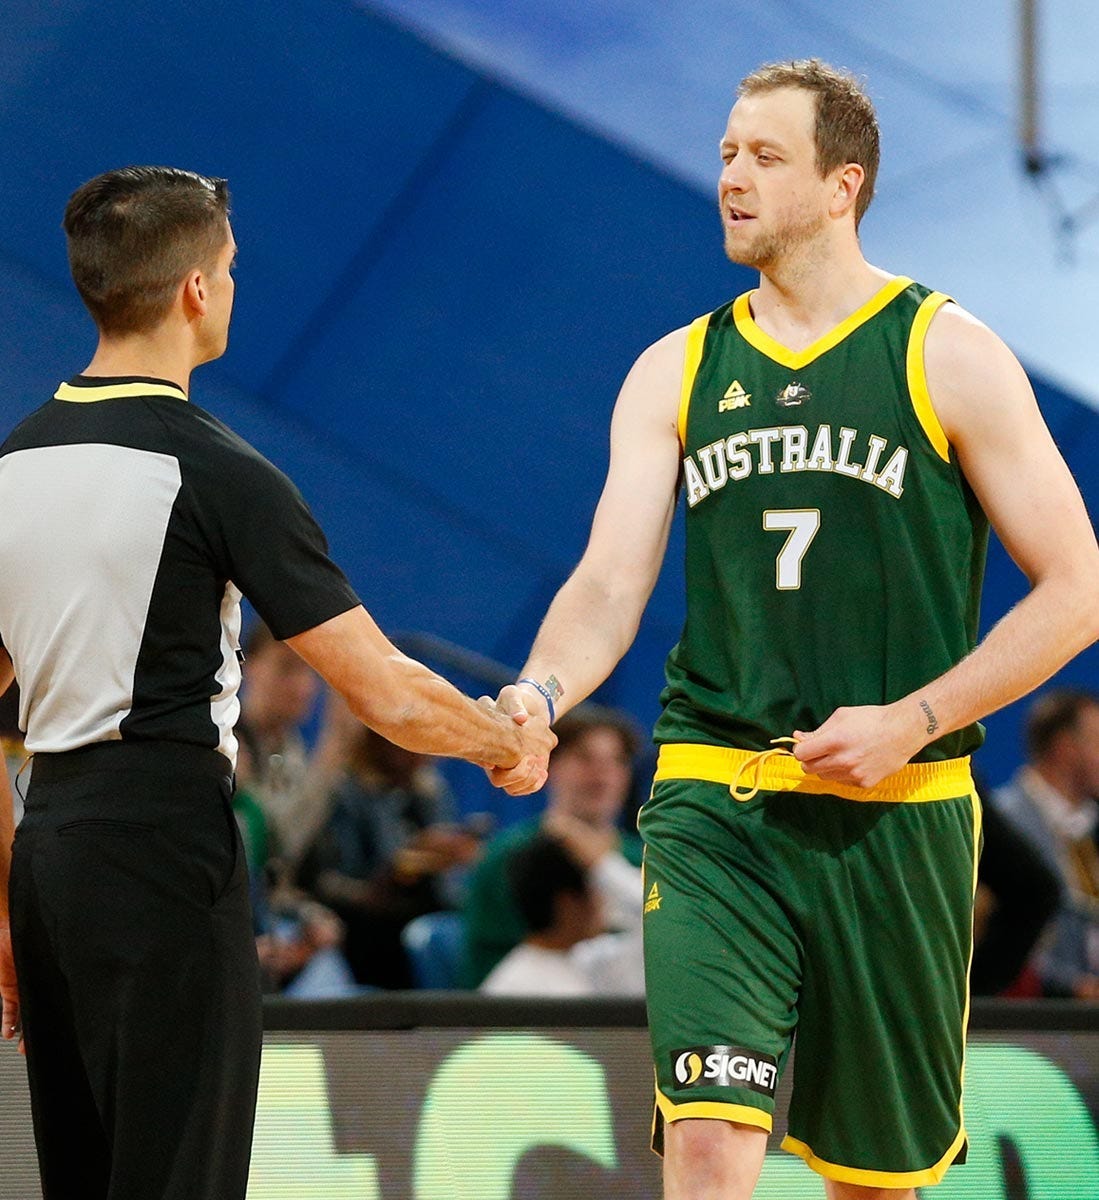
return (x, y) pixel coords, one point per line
(788, 448)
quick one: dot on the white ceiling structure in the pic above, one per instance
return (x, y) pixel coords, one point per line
(955, 208)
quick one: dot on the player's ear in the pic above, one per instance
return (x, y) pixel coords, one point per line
(849, 182)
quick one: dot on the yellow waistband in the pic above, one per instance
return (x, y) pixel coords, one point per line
(782, 773)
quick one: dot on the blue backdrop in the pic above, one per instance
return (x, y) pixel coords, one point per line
(441, 285)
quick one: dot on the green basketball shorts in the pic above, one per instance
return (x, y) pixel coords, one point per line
(838, 914)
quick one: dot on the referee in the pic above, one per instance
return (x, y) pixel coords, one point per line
(132, 523)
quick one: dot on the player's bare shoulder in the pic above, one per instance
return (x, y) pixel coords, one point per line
(651, 390)
(971, 373)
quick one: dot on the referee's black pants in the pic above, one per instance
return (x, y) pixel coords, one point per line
(137, 974)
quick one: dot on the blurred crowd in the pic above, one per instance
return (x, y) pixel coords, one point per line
(367, 872)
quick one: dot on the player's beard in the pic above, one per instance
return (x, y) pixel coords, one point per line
(764, 251)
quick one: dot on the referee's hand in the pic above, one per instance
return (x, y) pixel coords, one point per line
(529, 774)
(9, 991)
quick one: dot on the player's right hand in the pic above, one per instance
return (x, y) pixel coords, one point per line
(536, 739)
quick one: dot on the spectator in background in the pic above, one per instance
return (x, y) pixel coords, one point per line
(298, 941)
(590, 777)
(251, 820)
(1052, 802)
(1018, 892)
(391, 850)
(566, 951)
(290, 785)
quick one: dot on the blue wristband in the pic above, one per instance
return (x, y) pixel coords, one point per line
(545, 694)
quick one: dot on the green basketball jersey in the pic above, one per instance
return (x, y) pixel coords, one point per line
(835, 552)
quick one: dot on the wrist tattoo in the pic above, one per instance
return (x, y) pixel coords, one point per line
(932, 720)
(553, 686)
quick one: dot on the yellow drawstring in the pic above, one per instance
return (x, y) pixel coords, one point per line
(756, 761)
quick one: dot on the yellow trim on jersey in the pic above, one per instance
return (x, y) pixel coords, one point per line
(116, 391)
(692, 358)
(917, 376)
(880, 1179)
(796, 359)
(914, 783)
(714, 1109)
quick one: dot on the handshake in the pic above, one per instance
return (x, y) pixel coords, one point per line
(529, 707)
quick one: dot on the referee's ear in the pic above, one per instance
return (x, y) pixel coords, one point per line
(193, 294)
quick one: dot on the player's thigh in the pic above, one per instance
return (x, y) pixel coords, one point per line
(722, 957)
(881, 1035)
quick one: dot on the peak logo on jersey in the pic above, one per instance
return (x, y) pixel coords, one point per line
(652, 901)
(792, 395)
(735, 397)
(725, 1066)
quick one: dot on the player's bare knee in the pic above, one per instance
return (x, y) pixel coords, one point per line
(852, 1191)
(704, 1137)
(710, 1158)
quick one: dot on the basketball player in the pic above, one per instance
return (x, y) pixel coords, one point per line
(843, 437)
(132, 523)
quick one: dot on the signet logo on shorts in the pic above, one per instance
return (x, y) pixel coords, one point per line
(725, 1066)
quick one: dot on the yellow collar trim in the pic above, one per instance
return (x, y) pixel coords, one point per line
(90, 393)
(796, 359)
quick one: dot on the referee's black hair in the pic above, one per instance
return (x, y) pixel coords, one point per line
(133, 235)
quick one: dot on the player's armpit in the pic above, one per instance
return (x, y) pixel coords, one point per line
(989, 413)
(987, 409)
(594, 617)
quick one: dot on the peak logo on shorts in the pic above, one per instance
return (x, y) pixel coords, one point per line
(725, 1066)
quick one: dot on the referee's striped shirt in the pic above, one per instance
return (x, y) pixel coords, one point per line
(130, 523)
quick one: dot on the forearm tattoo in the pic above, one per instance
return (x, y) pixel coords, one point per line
(932, 720)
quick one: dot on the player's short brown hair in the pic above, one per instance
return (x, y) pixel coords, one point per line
(846, 126)
(133, 235)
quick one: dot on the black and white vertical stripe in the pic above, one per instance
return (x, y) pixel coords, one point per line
(130, 523)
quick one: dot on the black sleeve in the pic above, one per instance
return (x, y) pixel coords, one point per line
(275, 551)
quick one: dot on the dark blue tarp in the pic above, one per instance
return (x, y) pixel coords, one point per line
(441, 285)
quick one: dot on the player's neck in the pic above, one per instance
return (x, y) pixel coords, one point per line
(155, 355)
(800, 301)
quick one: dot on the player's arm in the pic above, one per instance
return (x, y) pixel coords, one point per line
(987, 409)
(594, 617)
(8, 989)
(410, 705)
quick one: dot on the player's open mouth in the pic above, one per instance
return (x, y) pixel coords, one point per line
(736, 214)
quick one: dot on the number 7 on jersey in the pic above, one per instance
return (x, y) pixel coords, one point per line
(802, 525)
